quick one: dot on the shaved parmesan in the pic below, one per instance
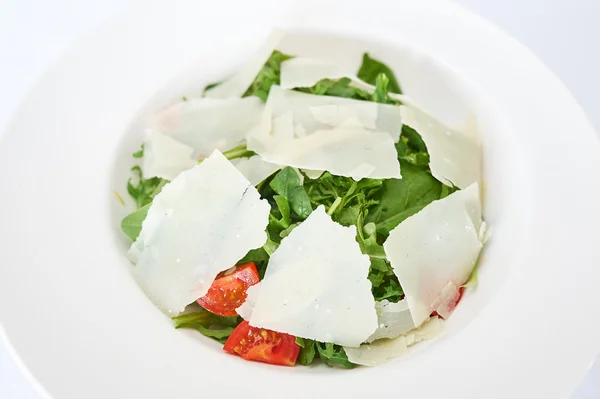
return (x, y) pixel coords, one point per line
(313, 113)
(447, 300)
(313, 174)
(352, 153)
(247, 308)
(200, 224)
(166, 157)
(237, 84)
(255, 169)
(454, 156)
(383, 350)
(316, 285)
(349, 149)
(436, 246)
(207, 124)
(306, 72)
(394, 319)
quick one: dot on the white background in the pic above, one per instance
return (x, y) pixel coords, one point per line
(33, 33)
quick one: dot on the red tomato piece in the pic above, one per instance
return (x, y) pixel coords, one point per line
(262, 345)
(228, 291)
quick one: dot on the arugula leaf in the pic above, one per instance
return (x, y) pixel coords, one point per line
(333, 355)
(472, 279)
(367, 239)
(139, 153)
(411, 147)
(208, 324)
(342, 196)
(132, 223)
(330, 354)
(308, 351)
(268, 76)
(284, 210)
(371, 68)
(401, 198)
(239, 151)
(380, 95)
(287, 184)
(146, 189)
(286, 232)
(385, 284)
(336, 88)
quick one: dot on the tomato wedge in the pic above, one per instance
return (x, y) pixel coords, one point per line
(228, 291)
(262, 345)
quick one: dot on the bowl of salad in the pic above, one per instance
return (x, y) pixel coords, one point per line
(351, 201)
(304, 210)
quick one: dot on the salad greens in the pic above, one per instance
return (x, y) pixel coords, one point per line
(268, 76)
(329, 354)
(374, 206)
(209, 324)
(371, 68)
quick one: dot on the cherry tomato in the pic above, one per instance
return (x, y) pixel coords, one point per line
(262, 345)
(228, 291)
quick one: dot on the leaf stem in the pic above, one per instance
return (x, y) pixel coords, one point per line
(240, 151)
(334, 206)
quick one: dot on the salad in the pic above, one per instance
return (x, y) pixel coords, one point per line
(302, 211)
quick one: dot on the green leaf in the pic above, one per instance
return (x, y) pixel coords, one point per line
(339, 88)
(219, 334)
(240, 151)
(330, 354)
(270, 246)
(140, 153)
(208, 324)
(411, 147)
(472, 279)
(401, 198)
(268, 76)
(380, 95)
(287, 184)
(371, 68)
(211, 85)
(307, 352)
(384, 282)
(368, 242)
(333, 355)
(255, 255)
(286, 232)
(132, 223)
(284, 210)
(204, 318)
(146, 189)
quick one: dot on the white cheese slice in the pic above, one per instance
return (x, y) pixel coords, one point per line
(446, 302)
(353, 153)
(255, 169)
(312, 112)
(316, 285)
(350, 149)
(200, 224)
(455, 158)
(209, 124)
(306, 72)
(247, 308)
(394, 320)
(438, 245)
(383, 350)
(237, 84)
(313, 174)
(165, 157)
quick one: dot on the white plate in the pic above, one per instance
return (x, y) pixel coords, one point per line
(76, 319)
